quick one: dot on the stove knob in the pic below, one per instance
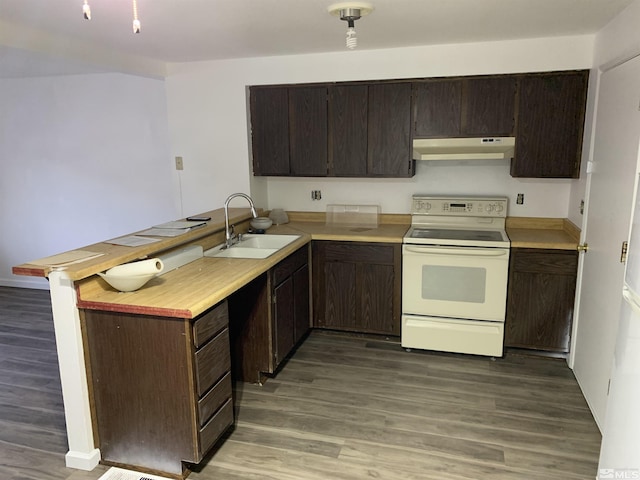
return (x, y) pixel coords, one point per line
(427, 206)
(490, 208)
(499, 208)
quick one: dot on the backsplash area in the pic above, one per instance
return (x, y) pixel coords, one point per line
(542, 197)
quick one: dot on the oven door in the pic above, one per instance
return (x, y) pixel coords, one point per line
(455, 282)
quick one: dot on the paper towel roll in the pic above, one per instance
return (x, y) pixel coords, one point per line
(143, 267)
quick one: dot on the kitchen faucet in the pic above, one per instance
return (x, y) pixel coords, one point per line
(229, 234)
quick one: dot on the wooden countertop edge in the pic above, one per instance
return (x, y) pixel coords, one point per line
(135, 309)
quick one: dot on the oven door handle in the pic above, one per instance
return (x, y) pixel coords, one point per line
(471, 252)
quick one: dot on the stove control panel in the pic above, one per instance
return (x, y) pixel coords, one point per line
(463, 207)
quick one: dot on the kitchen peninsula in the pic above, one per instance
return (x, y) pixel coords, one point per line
(192, 294)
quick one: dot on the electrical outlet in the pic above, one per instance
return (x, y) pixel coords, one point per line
(316, 194)
(520, 199)
(581, 207)
(179, 164)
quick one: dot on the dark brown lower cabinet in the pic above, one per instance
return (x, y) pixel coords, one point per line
(269, 316)
(542, 286)
(356, 286)
(160, 387)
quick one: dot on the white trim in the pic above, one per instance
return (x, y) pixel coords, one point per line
(81, 460)
(73, 376)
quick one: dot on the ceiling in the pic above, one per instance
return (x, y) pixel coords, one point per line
(44, 37)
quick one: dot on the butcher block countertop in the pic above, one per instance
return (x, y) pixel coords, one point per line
(185, 292)
(190, 290)
(547, 233)
(193, 288)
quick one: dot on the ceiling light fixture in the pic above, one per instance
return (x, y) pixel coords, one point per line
(86, 10)
(136, 22)
(86, 13)
(350, 12)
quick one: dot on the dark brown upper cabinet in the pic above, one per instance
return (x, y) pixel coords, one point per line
(365, 129)
(551, 113)
(437, 107)
(348, 109)
(308, 131)
(289, 131)
(341, 130)
(489, 106)
(461, 107)
(389, 152)
(270, 130)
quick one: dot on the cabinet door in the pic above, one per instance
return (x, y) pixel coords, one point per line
(540, 299)
(357, 287)
(348, 107)
(301, 303)
(270, 130)
(489, 106)
(284, 323)
(389, 136)
(437, 108)
(375, 284)
(551, 111)
(135, 360)
(337, 306)
(479, 106)
(308, 131)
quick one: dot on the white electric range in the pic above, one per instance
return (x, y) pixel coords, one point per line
(454, 279)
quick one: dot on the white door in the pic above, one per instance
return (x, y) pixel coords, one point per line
(620, 453)
(609, 206)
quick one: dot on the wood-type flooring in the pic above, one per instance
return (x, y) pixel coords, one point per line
(342, 407)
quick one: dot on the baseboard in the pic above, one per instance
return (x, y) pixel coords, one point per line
(25, 282)
(82, 461)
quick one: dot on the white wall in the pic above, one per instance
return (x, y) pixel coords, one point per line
(207, 115)
(543, 198)
(615, 43)
(620, 39)
(84, 158)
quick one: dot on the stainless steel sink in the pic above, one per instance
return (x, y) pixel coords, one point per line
(252, 246)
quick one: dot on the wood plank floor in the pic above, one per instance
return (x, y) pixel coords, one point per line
(342, 407)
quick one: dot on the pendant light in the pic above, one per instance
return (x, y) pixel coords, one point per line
(86, 13)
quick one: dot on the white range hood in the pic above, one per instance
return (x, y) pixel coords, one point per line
(478, 148)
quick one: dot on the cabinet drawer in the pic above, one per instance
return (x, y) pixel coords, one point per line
(212, 361)
(210, 323)
(552, 262)
(215, 397)
(215, 427)
(289, 265)
(355, 252)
